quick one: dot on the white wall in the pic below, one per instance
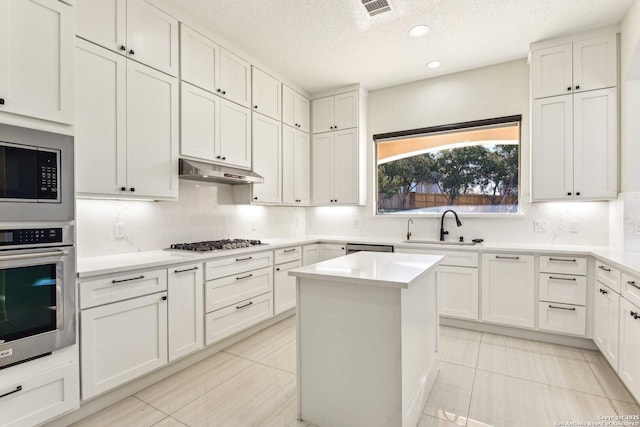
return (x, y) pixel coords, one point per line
(494, 91)
(204, 212)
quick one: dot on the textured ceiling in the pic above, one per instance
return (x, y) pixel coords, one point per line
(323, 44)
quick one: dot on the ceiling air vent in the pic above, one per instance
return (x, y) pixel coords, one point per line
(376, 7)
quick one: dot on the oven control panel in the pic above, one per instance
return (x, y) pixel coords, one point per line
(30, 236)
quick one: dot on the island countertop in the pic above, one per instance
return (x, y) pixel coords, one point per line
(392, 270)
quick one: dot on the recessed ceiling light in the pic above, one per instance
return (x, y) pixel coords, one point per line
(434, 64)
(418, 31)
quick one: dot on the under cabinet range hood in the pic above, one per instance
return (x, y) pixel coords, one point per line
(199, 171)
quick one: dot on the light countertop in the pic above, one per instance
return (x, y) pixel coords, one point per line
(393, 270)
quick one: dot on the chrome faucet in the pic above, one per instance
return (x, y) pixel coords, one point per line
(442, 230)
(409, 222)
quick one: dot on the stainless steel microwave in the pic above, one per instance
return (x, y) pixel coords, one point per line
(36, 175)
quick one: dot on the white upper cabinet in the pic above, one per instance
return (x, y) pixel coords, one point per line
(235, 78)
(335, 112)
(200, 123)
(134, 28)
(266, 94)
(267, 155)
(295, 167)
(295, 109)
(335, 171)
(234, 145)
(36, 53)
(575, 67)
(199, 59)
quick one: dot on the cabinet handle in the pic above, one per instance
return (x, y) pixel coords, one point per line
(131, 52)
(238, 307)
(17, 389)
(631, 313)
(562, 308)
(563, 260)
(633, 283)
(218, 157)
(335, 127)
(342, 249)
(577, 193)
(218, 90)
(185, 270)
(602, 267)
(569, 193)
(244, 259)
(123, 188)
(507, 257)
(255, 198)
(122, 47)
(164, 298)
(289, 250)
(224, 92)
(278, 269)
(569, 88)
(224, 158)
(603, 291)
(132, 189)
(562, 278)
(577, 86)
(1, 101)
(140, 277)
(244, 277)
(255, 106)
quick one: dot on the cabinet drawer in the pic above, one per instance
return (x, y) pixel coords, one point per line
(452, 258)
(237, 264)
(631, 288)
(563, 318)
(40, 397)
(121, 287)
(231, 289)
(563, 288)
(287, 254)
(229, 320)
(563, 265)
(608, 276)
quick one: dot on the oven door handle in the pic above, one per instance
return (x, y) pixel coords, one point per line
(32, 255)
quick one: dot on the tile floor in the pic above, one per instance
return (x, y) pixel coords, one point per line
(484, 380)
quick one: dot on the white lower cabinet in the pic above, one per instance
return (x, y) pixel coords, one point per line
(563, 318)
(310, 254)
(606, 314)
(186, 310)
(284, 286)
(40, 397)
(508, 289)
(629, 369)
(122, 341)
(458, 287)
(330, 250)
(231, 289)
(234, 318)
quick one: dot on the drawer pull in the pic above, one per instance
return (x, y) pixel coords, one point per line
(507, 257)
(289, 250)
(140, 277)
(244, 277)
(562, 308)
(19, 388)
(631, 313)
(603, 291)
(633, 283)
(185, 270)
(238, 307)
(573, 279)
(244, 259)
(563, 260)
(602, 267)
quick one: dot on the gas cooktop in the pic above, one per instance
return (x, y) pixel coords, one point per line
(217, 245)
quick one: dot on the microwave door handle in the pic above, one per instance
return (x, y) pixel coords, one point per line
(32, 255)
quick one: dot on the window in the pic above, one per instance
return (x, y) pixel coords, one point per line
(471, 167)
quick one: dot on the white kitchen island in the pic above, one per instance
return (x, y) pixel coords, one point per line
(367, 339)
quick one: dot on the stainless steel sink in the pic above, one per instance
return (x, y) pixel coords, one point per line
(438, 242)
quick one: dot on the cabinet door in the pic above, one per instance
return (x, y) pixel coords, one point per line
(630, 347)
(199, 59)
(508, 289)
(267, 155)
(310, 254)
(322, 111)
(36, 53)
(595, 63)
(323, 168)
(346, 167)
(346, 110)
(103, 22)
(288, 165)
(302, 113)
(200, 122)
(552, 148)
(606, 309)
(595, 132)
(266, 94)
(152, 132)
(152, 36)
(235, 78)
(551, 71)
(284, 287)
(301, 178)
(101, 115)
(235, 135)
(458, 287)
(227, 321)
(122, 341)
(289, 106)
(186, 312)
(330, 250)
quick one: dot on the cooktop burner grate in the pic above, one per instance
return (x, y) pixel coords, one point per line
(215, 245)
